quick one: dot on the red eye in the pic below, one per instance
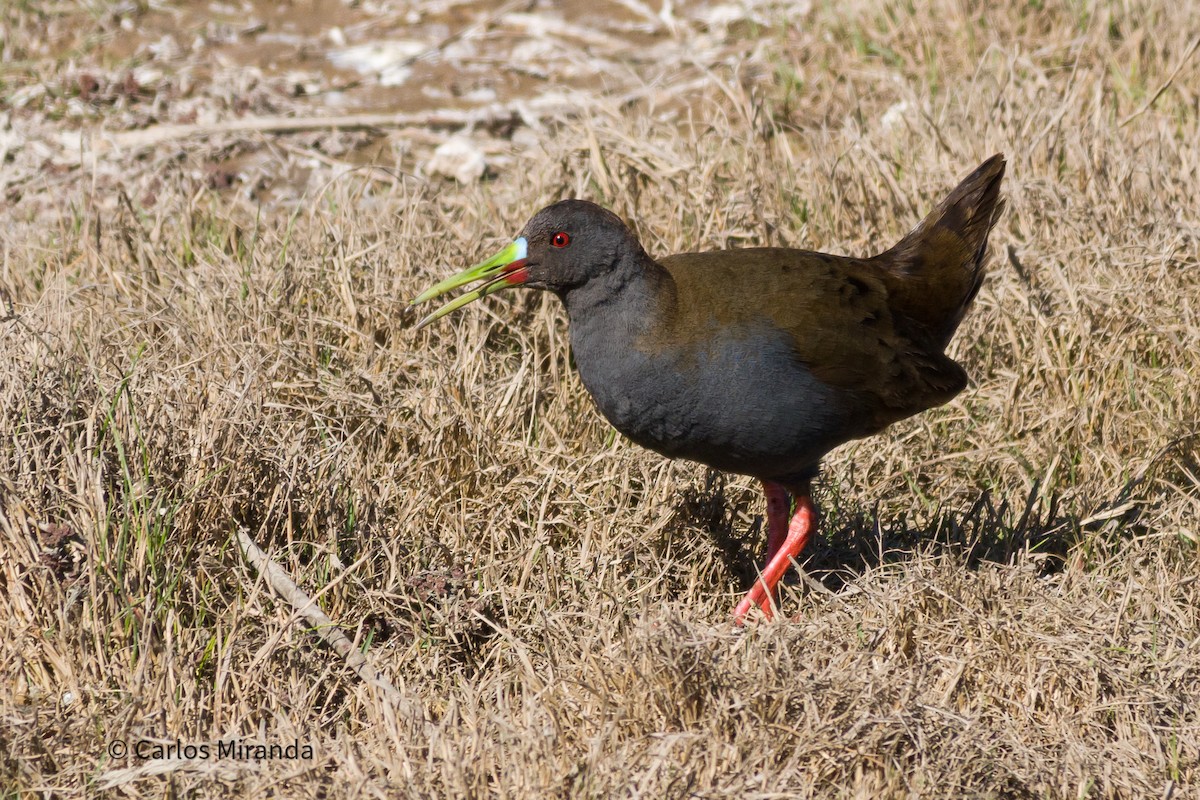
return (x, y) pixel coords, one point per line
(560, 239)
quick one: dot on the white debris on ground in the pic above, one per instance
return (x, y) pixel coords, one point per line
(457, 158)
(895, 115)
(389, 61)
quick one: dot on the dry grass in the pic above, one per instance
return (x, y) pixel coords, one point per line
(1005, 600)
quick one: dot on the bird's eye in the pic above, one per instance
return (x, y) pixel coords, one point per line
(560, 239)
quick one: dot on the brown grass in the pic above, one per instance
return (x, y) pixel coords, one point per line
(1004, 599)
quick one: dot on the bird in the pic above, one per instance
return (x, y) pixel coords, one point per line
(756, 361)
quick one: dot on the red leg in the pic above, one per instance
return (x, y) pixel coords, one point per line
(779, 506)
(803, 521)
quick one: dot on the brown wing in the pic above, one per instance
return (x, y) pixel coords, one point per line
(836, 311)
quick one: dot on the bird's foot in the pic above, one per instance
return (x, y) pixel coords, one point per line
(762, 594)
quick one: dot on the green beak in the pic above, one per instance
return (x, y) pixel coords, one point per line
(505, 269)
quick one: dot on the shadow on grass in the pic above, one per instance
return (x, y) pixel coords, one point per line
(851, 542)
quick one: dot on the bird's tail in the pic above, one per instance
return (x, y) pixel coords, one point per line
(939, 265)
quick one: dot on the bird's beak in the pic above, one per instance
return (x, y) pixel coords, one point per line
(505, 269)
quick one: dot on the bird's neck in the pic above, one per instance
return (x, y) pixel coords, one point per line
(614, 321)
(625, 300)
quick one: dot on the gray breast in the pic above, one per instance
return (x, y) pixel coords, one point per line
(742, 405)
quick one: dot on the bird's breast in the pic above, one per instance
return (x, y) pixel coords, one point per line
(738, 403)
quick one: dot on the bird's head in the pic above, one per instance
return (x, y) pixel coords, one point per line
(563, 247)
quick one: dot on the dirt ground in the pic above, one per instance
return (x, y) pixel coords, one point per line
(214, 217)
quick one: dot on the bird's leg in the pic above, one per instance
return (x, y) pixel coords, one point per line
(804, 519)
(779, 504)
